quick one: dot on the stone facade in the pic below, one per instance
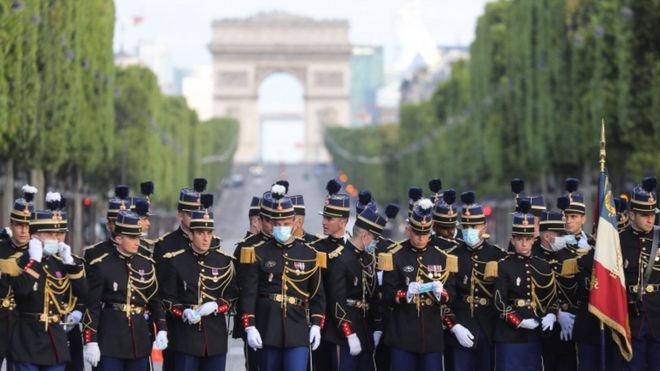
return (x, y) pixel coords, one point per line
(317, 53)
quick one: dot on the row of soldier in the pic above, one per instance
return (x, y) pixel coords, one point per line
(444, 297)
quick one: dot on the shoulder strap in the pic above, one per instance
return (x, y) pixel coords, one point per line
(649, 268)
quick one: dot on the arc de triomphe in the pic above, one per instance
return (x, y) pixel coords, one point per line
(317, 53)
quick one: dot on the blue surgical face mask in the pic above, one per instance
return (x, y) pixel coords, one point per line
(51, 247)
(559, 243)
(282, 233)
(570, 239)
(371, 247)
(471, 236)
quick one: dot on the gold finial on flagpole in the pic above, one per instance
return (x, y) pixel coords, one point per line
(602, 146)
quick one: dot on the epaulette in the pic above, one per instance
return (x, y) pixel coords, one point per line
(385, 262)
(248, 254)
(148, 257)
(582, 251)
(317, 238)
(492, 268)
(321, 260)
(9, 266)
(450, 240)
(394, 248)
(569, 267)
(92, 246)
(498, 246)
(246, 239)
(172, 254)
(221, 252)
(336, 252)
(451, 260)
(147, 240)
(99, 259)
(165, 235)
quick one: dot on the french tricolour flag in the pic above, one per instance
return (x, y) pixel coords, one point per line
(608, 299)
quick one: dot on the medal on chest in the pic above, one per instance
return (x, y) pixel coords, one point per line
(517, 281)
(115, 286)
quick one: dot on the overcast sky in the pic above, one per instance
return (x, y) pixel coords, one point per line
(183, 27)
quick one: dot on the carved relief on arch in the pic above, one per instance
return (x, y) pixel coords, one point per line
(299, 73)
(328, 116)
(233, 79)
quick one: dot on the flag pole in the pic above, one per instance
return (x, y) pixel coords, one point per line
(602, 146)
(601, 160)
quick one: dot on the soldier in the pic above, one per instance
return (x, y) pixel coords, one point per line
(141, 207)
(622, 218)
(122, 289)
(282, 292)
(188, 202)
(198, 292)
(251, 239)
(475, 316)
(558, 348)
(418, 279)
(639, 246)
(15, 245)
(117, 203)
(335, 218)
(56, 204)
(382, 354)
(354, 326)
(445, 215)
(586, 328)
(336, 211)
(299, 220)
(253, 217)
(178, 239)
(47, 281)
(524, 297)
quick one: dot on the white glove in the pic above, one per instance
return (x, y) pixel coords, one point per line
(377, 336)
(207, 308)
(72, 320)
(413, 289)
(92, 353)
(35, 250)
(65, 253)
(437, 289)
(566, 321)
(548, 321)
(463, 335)
(191, 316)
(315, 336)
(529, 323)
(354, 347)
(161, 340)
(253, 338)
